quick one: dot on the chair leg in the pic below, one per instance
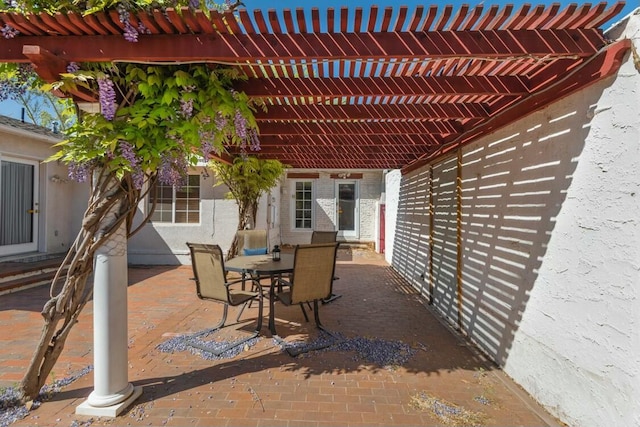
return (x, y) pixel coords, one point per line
(293, 351)
(304, 312)
(316, 314)
(331, 298)
(189, 341)
(272, 322)
(220, 324)
(225, 311)
(254, 287)
(260, 312)
(242, 307)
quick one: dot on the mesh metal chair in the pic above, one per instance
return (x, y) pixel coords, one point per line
(252, 240)
(326, 237)
(311, 281)
(211, 285)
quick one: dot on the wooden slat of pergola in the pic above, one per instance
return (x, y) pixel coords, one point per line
(355, 87)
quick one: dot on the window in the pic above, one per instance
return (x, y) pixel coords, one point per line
(303, 206)
(180, 206)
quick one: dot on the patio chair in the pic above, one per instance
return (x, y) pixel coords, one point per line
(326, 237)
(211, 285)
(251, 242)
(311, 281)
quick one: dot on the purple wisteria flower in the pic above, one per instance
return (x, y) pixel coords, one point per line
(72, 67)
(221, 121)
(207, 149)
(255, 141)
(194, 4)
(127, 152)
(142, 29)
(138, 179)
(173, 170)
(107, 98)
(129, 155)
(240, 122)
(79, 172)
(130, 33)
(186, 108)
(9, 32)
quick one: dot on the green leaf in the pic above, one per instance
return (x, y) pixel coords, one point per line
(169, 96)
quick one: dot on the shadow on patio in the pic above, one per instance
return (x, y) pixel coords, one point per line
(439, 381)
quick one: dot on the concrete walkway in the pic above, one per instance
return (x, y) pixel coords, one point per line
(442, 382)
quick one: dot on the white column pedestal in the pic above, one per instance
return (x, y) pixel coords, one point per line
(112, 390)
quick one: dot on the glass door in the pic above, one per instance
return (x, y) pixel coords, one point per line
(18, 206)
(348, 218)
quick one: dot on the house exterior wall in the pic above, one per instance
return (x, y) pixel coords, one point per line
(370, 190)
(166, 243)
(57, 222)
(550, 247)
(324, 208)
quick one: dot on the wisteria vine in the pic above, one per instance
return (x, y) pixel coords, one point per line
(155, 120)
(132, 27)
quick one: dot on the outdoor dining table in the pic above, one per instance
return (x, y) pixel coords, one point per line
(259, 266)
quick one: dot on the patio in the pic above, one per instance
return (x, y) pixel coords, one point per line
(439, 372)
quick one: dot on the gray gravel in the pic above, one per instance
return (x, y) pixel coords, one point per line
(11, 410)
(372, 350)
(381, 352)
(178, 344)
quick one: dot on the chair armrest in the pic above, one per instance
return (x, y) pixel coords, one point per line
(233, 282)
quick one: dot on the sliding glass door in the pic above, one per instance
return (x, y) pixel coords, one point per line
(18, 206)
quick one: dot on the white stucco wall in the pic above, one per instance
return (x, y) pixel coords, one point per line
(57, 227)
(550, 248)
(324, 215)
(577, 349)
(166, 244)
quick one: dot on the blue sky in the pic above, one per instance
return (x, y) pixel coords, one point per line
(11, 109)
(336, 4)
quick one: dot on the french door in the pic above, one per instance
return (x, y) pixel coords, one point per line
(18, 206)
(348, 215)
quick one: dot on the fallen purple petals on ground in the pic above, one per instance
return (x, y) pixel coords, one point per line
(378, 351)
(11, 410)
(178, 344)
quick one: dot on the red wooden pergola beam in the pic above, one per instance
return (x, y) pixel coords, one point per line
(49, 67)
(384, 86)
(595, 69)
(242, 48)
(372, 111)
(404, 142)
(361, 128)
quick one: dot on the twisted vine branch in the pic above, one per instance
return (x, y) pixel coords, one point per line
(62, 310)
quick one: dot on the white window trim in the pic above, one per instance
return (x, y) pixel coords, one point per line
(292, 205)
(357, 219)
(173, 209)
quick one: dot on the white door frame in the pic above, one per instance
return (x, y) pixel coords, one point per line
(355, 233)
(33, 245)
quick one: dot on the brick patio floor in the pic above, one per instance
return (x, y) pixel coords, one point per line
(264, 386)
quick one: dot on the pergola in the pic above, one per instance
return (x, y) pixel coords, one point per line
(352, 88)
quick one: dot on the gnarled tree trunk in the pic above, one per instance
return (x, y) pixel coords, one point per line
(247, 212)
(61, 312)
